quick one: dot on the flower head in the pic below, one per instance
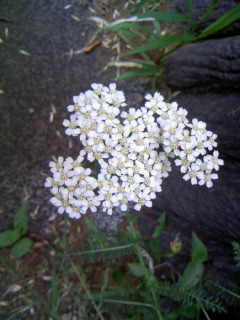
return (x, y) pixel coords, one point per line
(133, 150)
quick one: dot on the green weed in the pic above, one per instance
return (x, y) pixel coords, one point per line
(115, 274)
(150, 43)
(16, 238)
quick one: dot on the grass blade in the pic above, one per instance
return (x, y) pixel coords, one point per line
(133, 34)
(222, 22)
(165, 16)
(139, 6)
(135, 46)
(54, 294)
(189, 13)
(128, 26)
(161, 42)
(128, 303)
(206, 14)
(157, 28)
(131, 74)
(115, 248)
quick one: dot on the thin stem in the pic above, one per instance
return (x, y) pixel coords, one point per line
(224, 289)
(83, 284)
(205, 312)
(146, 271)
(101, 250)
(131, 303)
(155, 301)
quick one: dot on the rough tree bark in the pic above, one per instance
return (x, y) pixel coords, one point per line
(208, 75)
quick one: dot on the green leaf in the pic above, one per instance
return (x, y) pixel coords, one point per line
(157, 28)
(135, 46)
(206, 14)
(165, 16)
(156, 248)
(161, 225)
(139, 6)
(117, 275)
(199, 251)
(136, 269)
(92, 227)
(21, 218)
(94, 231)
(191, 275)
(161, 42)
(54, 293)
(189, 13)
(105, 280)
(135, 235)
(184, 310)
(129, 26)
(21, 248)
(83, 275)
(222, 22)
(8, 238)
(133, 35)
(131, 74)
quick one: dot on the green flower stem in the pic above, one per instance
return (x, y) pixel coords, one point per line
(155, 300)
(224, 289)
(101, 250)
(131, 303)
(146, 271)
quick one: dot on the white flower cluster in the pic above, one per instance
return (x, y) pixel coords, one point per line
(133, 154)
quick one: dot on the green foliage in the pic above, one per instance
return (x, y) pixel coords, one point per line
(127, 283)
(136, 269)
(162, 42)
(187, 292)
(144, 35)
(165, 16)
(21, 247)
(236, 250)
(224, 21)
(101, 248)
(193, 273)
(161, 222)
(189, 312)
(155, 242)
(8, 238)
(194, 298)
(229, 293)
(199, 251)
(21, 218)
(13, 237)
(54, 294)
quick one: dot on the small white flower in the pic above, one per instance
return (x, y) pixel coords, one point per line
(207, 178)
(204, 165)
(191, 175)
(131, 169)
(72, 126)
(214, 160)
(211, 142)
(56, 166)
(183, 163)
(97, 88)
(155, 102)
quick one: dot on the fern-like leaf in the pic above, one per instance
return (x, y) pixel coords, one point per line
(236, 250)
(108, 252)
(194, 296)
